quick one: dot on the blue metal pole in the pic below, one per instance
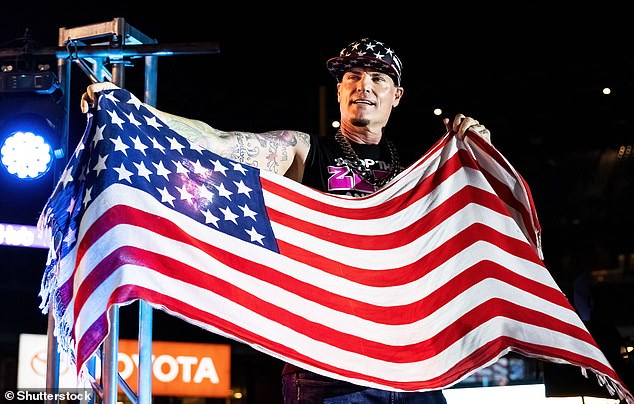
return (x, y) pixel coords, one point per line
(145, 310)
(110, 362)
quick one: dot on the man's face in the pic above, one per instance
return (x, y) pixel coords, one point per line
(366, 97)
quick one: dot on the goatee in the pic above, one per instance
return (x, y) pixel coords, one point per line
(360, 122)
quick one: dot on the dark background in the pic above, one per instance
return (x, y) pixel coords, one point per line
(533, 75)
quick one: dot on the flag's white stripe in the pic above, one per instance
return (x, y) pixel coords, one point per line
(277, 295)
(417, 370)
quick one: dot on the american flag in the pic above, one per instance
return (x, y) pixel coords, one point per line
(413, 288)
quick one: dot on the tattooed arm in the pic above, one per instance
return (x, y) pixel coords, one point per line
(283, 151)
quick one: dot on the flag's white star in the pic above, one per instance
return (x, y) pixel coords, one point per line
(247, 212)
(116, 119)
(143, 171)
(139, 145)
(70, 236)
(180, 168)
(255, 236)
(242, 188)
(198, 168)
(124, 174)
(152, 122)
(175, 145)
(219, 167)
(135, 101)
(133, 120)
(222, 191)
(87, 197)
(81, 146)
(110, 95)
(100, 164)
(71, 205)
(239, 167)
(195, 146)
(119, 145)
(161, 170)
(165, 196)
(67, 176)
(210, 218)
(98, 135)
(204, 192)
(185, 195)
(229, 215)
(157, 145)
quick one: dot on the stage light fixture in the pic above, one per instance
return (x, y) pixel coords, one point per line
(30, 128)
(40, 81)
(26, 155)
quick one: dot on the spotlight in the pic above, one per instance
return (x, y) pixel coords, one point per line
(26, 155)
(30, 134)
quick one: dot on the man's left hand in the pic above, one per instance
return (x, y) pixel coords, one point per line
(461, 124)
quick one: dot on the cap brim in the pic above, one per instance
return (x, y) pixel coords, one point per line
(341, 64)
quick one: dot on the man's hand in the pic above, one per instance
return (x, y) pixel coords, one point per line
(461, 124)
(89, 97)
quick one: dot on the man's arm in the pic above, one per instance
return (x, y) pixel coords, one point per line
(283, 151)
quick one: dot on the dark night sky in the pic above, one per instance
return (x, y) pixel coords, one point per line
(531, 74)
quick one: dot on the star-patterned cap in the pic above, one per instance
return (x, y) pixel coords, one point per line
(366, 53)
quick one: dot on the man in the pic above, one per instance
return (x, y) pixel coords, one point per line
(357, 160)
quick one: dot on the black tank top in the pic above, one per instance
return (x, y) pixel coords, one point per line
(326, 170)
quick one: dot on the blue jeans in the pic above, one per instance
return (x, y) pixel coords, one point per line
(309, 388)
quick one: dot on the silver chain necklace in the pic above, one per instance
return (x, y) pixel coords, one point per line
(353, 162)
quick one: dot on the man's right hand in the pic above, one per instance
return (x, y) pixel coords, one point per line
(89, 97)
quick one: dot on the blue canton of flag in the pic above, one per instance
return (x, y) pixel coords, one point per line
(136, 149)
